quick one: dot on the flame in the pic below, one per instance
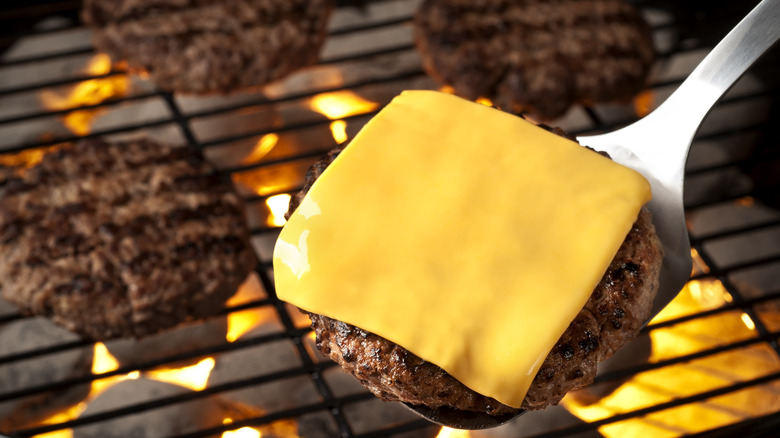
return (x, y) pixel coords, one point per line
(194, 377)
(698, 264)
(244, 432)
(340, 104)
(265, 181)
(484, 101)
(685, 379)
(69, 414)
(263, 146)
(447, 432)
(24, 159)
(747, 201)
(643, 103)
(242, 321)
(447, 89)
(748, 321)
(278, 204)
(90, 92)
(104, 362)
(280, 428)
(339, 131)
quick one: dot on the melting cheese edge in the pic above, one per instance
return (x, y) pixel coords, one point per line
(467, 235)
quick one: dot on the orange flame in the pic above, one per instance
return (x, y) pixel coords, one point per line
(747, 201)
(280, 428)
(262, 147)
(265, 181)
(278, 205)
(447, 432)
(243, 321)
(339, 131)
(698, 264)
(643, 103)
(244, 432)
(484, 101)
(102, 362)
(685, 379)
(447, 89)
(194, 377)
(61, 417)
(338, 105)
(25, 159)
(90, 92)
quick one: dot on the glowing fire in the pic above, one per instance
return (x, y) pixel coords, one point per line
(61, 417)
(102, 362)
(278, 205)
(446, 432)
(643, 103)
(338, 105)
(90, 92)
(194, 377)
(281, 428)
(263, 146)
(240, 322)
(244, 432)
(746, 201)
(25, 159)
(484, 101)
(685, 379)
(339, 131)
(447, 89)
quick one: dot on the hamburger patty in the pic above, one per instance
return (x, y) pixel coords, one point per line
(203, 46)
(122, 239)
(614, 314)
(536, 56)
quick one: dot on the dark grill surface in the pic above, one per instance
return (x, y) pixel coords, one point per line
(714, 365)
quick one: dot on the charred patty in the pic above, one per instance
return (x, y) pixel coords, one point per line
(200, 46)
(122, 239)
(536, 56)
(614, 314)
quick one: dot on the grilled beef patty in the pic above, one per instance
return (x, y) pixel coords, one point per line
(202, 46)
(121, 239)
(536, 56)
(613, 316)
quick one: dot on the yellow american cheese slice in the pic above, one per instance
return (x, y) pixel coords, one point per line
(466, 235)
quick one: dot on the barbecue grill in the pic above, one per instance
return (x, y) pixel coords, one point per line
(708, 366)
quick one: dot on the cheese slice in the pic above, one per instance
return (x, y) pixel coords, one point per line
(465, 234)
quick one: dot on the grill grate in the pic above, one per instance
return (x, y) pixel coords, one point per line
(734, 171)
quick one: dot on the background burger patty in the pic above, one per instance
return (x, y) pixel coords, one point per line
(122, 239)
(613, 315)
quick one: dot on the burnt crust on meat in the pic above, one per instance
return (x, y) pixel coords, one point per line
(203, 46)
(614, 314)
(122, 239)
(536, 56)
